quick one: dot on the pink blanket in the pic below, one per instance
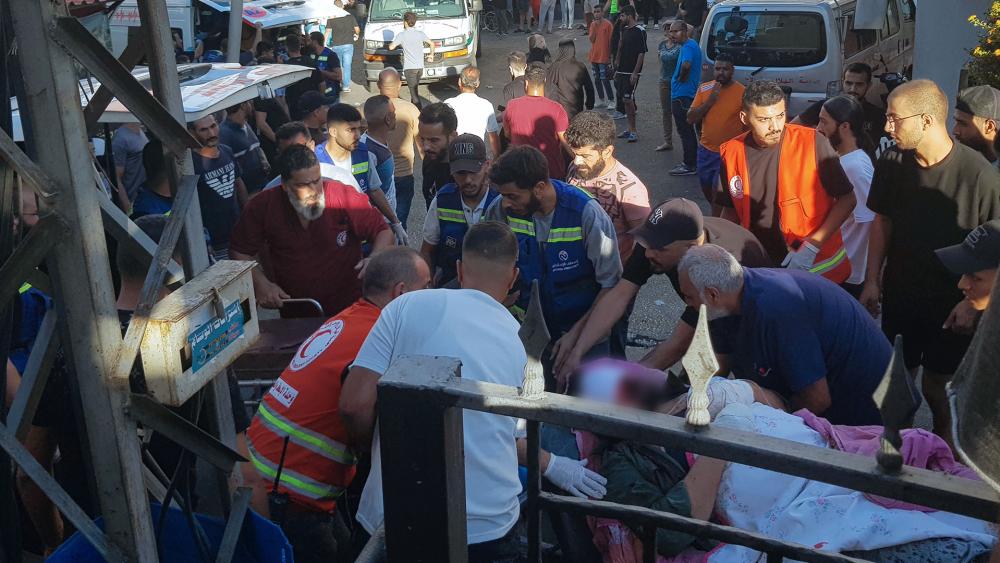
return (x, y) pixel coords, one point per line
(921, 449)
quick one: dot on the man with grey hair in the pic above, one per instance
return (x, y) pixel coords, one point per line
(799, 335)
(517, 63)
(475, 114)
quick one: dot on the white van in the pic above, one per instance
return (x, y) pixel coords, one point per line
(453, 26)
(804, 45)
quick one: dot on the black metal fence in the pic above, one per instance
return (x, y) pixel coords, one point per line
(420, 419)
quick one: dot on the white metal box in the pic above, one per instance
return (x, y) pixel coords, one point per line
(198, 330)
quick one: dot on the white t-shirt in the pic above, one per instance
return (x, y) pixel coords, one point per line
(412, 42)
(472, 326)
(475, 115)
(329, 172)
(856, 229)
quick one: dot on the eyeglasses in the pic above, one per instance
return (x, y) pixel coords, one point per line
(893, 121)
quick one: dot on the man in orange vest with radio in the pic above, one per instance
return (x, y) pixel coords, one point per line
(297, 442)
(784, 183)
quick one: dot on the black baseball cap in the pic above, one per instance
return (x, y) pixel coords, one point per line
(980, 101)
(467, 153)
(979, 251)
(311, 101)
(672, 220)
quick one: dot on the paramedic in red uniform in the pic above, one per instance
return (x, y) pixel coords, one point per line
(309, 233)
(784, 183)
(317, 465)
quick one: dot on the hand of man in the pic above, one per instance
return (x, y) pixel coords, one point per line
(400, 232)
(962, 319)
(634, 79)
(561, 350)
(564, 369)
(573, 477)
(870, 295)
(361, 267)
(270, 295)
(714, 96)
(801, 259)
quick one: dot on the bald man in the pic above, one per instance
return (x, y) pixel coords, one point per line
(402, 140)
(475, 113)
(928, 192)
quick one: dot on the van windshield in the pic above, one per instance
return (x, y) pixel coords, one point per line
(768, 39)
(393, 10)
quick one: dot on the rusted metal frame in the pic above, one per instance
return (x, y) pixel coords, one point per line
(29, 254)
(34, 378)
(154, 279)
(647, 517)
(31, 173)
(133, 53)
(927, 488)
(78, 43)
(423, 470)
(534, 489)
(231, 534)
(131, 239)
(58, 496)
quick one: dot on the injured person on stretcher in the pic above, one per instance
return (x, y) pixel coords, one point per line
(793, 509)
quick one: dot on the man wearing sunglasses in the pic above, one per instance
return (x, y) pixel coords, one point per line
(928, 192)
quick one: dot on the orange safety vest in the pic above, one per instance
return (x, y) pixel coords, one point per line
(303, 404)
(803, 203)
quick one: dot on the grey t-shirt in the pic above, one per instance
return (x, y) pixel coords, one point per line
(412, 41)
(127, 146)
(598, 235)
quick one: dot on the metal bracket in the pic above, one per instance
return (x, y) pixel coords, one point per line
(898, 400)
(701, 364)
(35, 177)
(130, 57)
(535, 336)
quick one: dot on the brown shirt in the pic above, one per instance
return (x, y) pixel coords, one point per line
(402, 137)
(763, 166)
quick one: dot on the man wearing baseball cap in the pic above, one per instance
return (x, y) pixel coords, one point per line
(457, 206)
(311, 109)
(976, 260)
(662, 239)
(977, 115)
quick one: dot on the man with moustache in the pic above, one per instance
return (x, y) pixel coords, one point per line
(221, 191)
(457, 206)
(437, 127)
(977, 115)
(310, 230)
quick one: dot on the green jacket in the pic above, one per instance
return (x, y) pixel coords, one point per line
(646, 476)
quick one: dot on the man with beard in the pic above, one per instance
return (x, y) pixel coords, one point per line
(221, 191)
(566, 241)
(785, 185)
(798, 334)
(977, 115)
(437, 127)
(928, 192)
(457, 206)
(672, 228)
(311, 232)
(857, 82)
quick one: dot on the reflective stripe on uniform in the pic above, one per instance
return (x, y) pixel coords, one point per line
(830, 263)
(308, 439)
(453, 215)
(521, 226)
(567, 234)
(293, 481)
(359, 168)
(24, 287)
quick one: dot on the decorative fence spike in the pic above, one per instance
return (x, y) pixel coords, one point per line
(898, 400)
(701, 364)
(535, 337)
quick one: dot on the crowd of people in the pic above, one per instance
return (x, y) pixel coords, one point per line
(820, 239)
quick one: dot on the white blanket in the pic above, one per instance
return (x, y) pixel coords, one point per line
(812, 513)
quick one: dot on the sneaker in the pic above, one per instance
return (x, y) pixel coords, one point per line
(664, 147)
(656, 26)
(631, 137)
(611, 105)
(624, 134)
(618, 115)
(346, 91)
(682, 170)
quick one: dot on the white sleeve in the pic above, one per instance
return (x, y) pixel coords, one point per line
(432, 229)
(376, 352)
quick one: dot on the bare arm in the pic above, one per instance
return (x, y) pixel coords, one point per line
(493, 138)
(685, 70)
(839, 213)
(522, 455)
(260, 117)
(702, 484)
(379, 201)
(357, 406)
(597, 323)
(696, 114)
(241, 193)
(670, 351)
(815, 397)
(878, 240)
(427, 251)
(268, 294)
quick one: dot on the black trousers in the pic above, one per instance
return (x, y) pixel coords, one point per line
(501, 550)
(413, 82)
(318, 537)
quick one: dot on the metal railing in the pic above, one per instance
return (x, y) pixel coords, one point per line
(421, 400)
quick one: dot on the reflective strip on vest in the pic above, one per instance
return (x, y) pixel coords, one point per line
(829, 263)
(24, 287)
(568, 234)
(295, 482)
(359, 168)
(521, 226)
(453, 215)
(308, 439)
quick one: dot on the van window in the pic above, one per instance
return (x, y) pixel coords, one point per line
(891, 26)
(393, 10)
(857, 40)
(908, 10)
(766, 38)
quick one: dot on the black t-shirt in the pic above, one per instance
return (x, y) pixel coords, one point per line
(632, 45)
(217, 194)
(762, 164)
(695, 11)
(738, 241)
(275, 116)
(342, 31)
(930, 208)
(293, 91)
(513, 89)
(435, 176)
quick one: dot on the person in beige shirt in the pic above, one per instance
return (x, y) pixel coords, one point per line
(401, 140)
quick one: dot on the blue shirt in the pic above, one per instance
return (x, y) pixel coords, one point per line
(690, 52)
(797, 328)
(149, 202)
(668, 60)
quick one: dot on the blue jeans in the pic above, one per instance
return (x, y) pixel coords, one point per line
(346, 55)
(602, 81)
(679, 107)
(404, 197)
(709, 163)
